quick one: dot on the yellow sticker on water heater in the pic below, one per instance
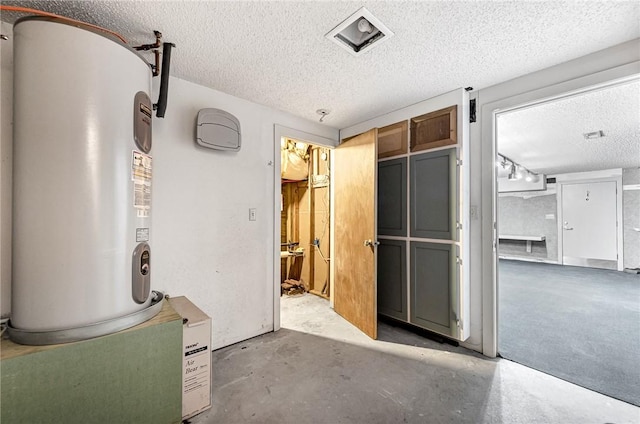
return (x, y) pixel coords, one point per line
(141, 177)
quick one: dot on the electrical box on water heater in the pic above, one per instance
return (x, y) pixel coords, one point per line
(82, 260)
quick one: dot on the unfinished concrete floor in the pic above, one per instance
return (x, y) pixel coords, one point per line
(320, 369)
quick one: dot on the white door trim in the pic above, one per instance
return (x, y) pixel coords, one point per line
(614, 175)
(280, 131)
(488, 121)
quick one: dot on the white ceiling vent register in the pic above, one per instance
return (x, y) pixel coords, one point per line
(593, 134)
(360, 32)
(217, 129)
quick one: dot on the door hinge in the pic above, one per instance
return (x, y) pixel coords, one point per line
(472, 111)
(458, 260)
(458, 225)
(459, 162)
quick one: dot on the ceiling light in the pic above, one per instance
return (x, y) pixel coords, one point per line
(512, 173)
(593, 134)
(323, 113)
(517, 171)
(365, 26)
(359, 32)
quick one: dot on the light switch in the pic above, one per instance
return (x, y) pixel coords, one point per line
(252, 214)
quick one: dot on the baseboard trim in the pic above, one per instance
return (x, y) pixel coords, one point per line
(520, 258)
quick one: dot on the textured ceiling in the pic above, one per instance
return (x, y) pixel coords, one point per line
(548, 138)
(275, 53)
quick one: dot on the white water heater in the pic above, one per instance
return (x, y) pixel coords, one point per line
(82, 184)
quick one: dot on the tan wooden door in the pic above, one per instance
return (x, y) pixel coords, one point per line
(354, 182)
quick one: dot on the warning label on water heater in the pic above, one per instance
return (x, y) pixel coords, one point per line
(141, 177)
(142, 234)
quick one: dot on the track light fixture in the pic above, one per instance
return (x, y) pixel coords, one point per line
(516, 171)
(512, 173)
(502, 161)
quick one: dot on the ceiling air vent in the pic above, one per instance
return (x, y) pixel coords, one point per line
(360, 32)
(593, 134)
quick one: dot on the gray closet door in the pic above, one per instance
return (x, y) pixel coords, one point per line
(392, 278)
(433, 282)
(434, 195)
(392, 197)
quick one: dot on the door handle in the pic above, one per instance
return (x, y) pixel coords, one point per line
(566, 226)
(371, 243)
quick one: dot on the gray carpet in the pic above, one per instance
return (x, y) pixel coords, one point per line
(578, 324)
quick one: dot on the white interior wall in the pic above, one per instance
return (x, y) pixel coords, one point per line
(615, 63)
(202, 241)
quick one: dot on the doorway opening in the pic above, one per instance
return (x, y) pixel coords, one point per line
(568, 249)
(305, 219)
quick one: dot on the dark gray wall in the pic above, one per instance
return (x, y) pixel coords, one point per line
(518, 215)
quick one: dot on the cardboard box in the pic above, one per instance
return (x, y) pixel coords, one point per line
(196, 342)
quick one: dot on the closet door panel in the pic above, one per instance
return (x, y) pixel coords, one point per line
(432, 286)
(392, 278)
(433, 201)
(392, 197)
